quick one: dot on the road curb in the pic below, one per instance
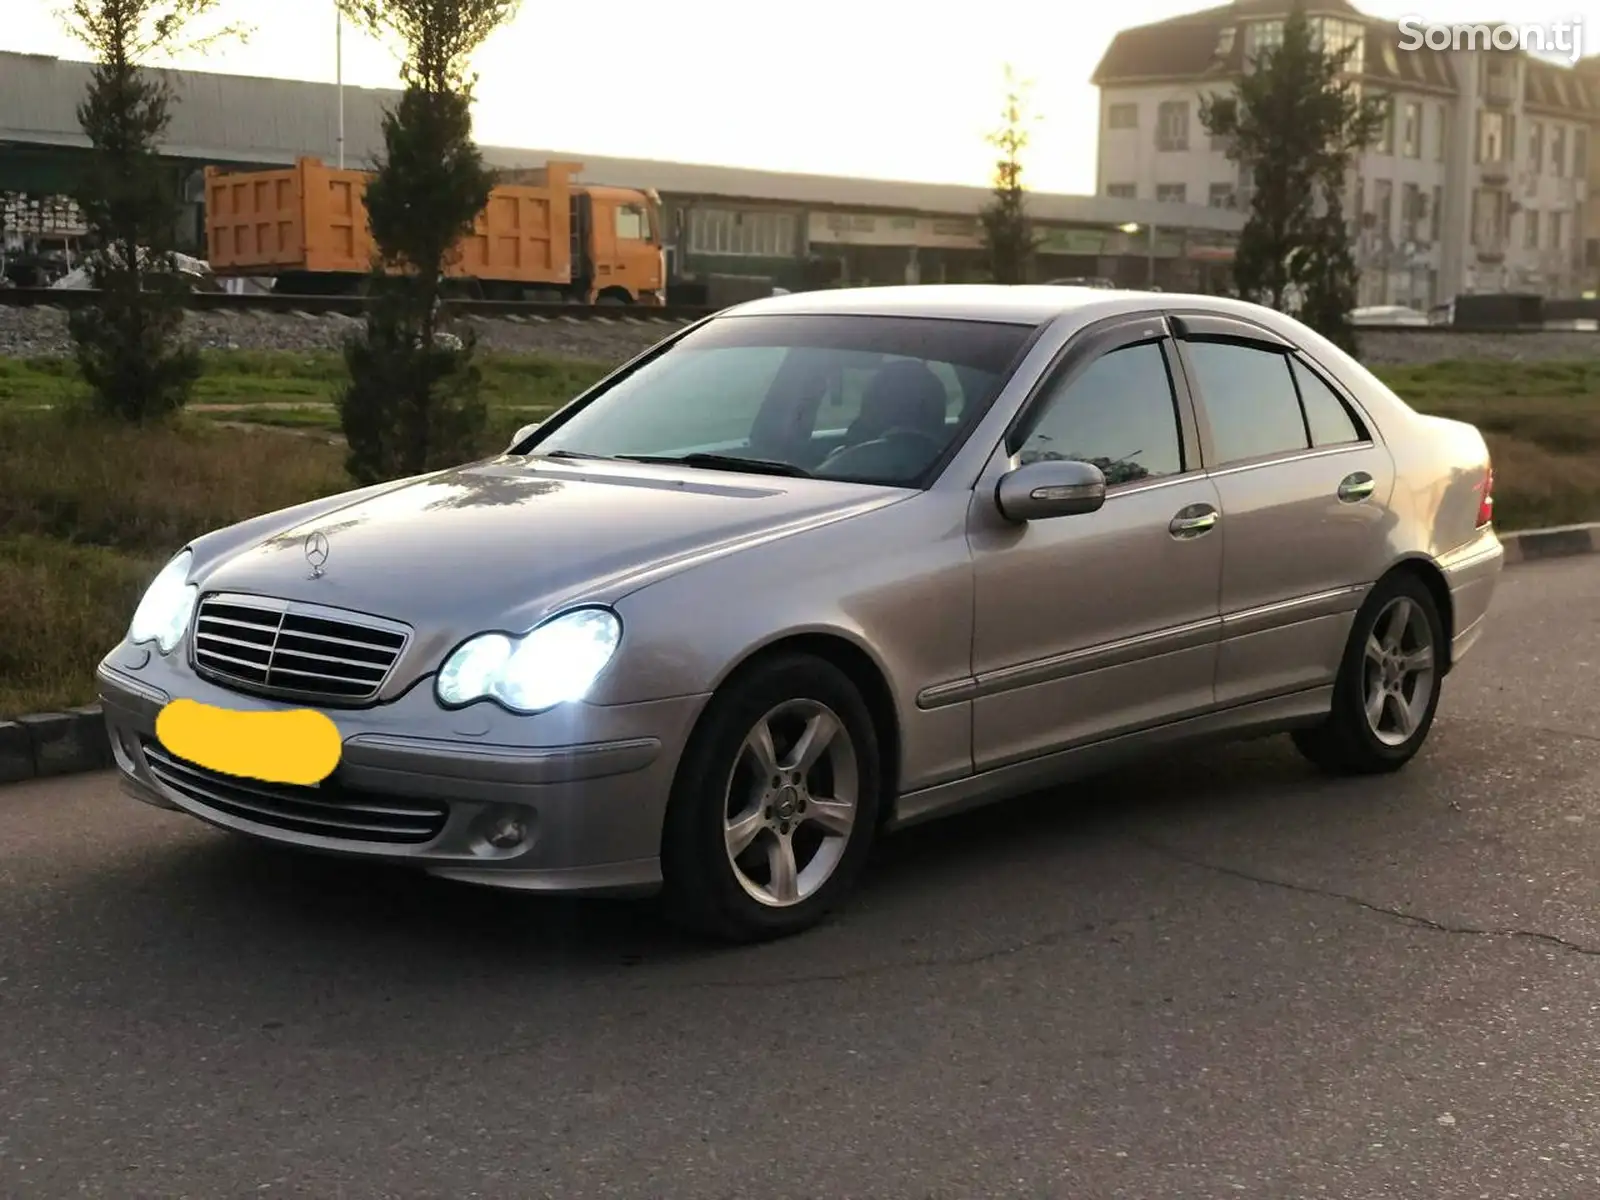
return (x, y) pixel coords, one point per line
(1560, 541)
(42, 745)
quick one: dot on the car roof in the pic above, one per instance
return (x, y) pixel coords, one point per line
(1023, 304)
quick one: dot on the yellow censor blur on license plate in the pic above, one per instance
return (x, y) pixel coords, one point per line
(296, 747)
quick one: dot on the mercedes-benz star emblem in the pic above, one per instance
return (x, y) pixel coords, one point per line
(316, 553)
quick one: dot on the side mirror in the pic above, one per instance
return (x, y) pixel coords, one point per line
(1055, 488)
(521, 435)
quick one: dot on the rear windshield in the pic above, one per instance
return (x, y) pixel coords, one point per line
(873, 399)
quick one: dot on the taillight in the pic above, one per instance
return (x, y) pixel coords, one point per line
(1486, 501)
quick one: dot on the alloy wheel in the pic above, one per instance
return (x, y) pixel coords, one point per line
(791, 803)
(1400, 664)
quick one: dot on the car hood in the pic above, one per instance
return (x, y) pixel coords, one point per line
(501, 544)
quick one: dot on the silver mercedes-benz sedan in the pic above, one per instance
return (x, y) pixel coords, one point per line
(819, 567)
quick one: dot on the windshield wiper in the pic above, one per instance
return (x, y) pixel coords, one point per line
(725, 462)
(572, 454)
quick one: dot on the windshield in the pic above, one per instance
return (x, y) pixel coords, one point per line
(872, 399)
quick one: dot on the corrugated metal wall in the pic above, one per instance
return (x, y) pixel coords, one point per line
(220, 118)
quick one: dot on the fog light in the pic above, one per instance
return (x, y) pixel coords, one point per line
(505, 832)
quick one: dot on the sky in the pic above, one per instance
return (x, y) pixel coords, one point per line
(873, 88)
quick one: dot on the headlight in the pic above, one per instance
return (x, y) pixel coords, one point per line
(552, 664)
(163, 614)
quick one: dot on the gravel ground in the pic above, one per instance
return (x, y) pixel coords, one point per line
(29, 331)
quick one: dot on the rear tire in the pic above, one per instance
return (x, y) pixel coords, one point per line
(1388, 686)
(766, 832)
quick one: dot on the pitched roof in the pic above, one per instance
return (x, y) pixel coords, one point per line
(1556, 88)
(1193, 47)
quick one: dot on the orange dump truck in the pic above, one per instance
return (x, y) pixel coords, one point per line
(542, 236)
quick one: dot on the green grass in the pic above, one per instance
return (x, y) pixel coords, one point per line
(307, 380)
(1464, 380)
(88, 512)
(1542, 423)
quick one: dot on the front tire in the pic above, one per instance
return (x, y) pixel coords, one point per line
(775, 804)
(1388, 687)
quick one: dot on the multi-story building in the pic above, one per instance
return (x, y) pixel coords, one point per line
(1479, 180)
(1589, 69)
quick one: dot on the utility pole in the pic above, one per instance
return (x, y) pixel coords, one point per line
(338, 72)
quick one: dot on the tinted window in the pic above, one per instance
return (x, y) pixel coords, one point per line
(1250, 399)
(858, 370)
(864, 398)
(1330, 421)
(1118, 413)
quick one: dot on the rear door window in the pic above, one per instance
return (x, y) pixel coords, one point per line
(1250, 401)
(1330, 421)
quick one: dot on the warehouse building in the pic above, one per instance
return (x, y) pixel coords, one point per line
(722, 224)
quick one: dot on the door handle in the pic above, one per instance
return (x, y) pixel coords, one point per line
(1355, 488)
(1193, 521)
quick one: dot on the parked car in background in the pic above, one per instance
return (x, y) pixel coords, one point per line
(1089, 281)
(1388, 314)
(194, 273)
(819, 567)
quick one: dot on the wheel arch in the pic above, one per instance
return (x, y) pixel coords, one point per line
(1429, 574)
(864, 671)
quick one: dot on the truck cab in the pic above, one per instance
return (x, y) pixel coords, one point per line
(617, 254)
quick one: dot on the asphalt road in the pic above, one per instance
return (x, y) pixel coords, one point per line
(1211, 976)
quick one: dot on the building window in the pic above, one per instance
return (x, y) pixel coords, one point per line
(1489, 216)
(1410, 211)
(1580, 153)
(1383, 205)
(1225, 41)
(1122, 191)
(1172, 193)
(1335, 37)
(1264, 36)
(1443, 127)
(1536, 146)
(1437, 223)
(1530, 229)
(1221, 195)
(1558, 150)
(1411, 129)
(1386, 134)
(1172, 125)
(1122, 116)
(1558, 231)
(743, 234)
(1491, 136)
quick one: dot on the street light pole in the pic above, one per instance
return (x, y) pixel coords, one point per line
(338, 72)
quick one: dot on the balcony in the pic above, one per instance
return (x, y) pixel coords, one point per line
(1492, 250)
(1495, 170)
(1500, 90)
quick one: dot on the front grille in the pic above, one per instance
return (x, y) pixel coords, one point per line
(328, 809)
(281, 648)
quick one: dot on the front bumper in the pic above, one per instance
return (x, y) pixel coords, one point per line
(588, 783)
